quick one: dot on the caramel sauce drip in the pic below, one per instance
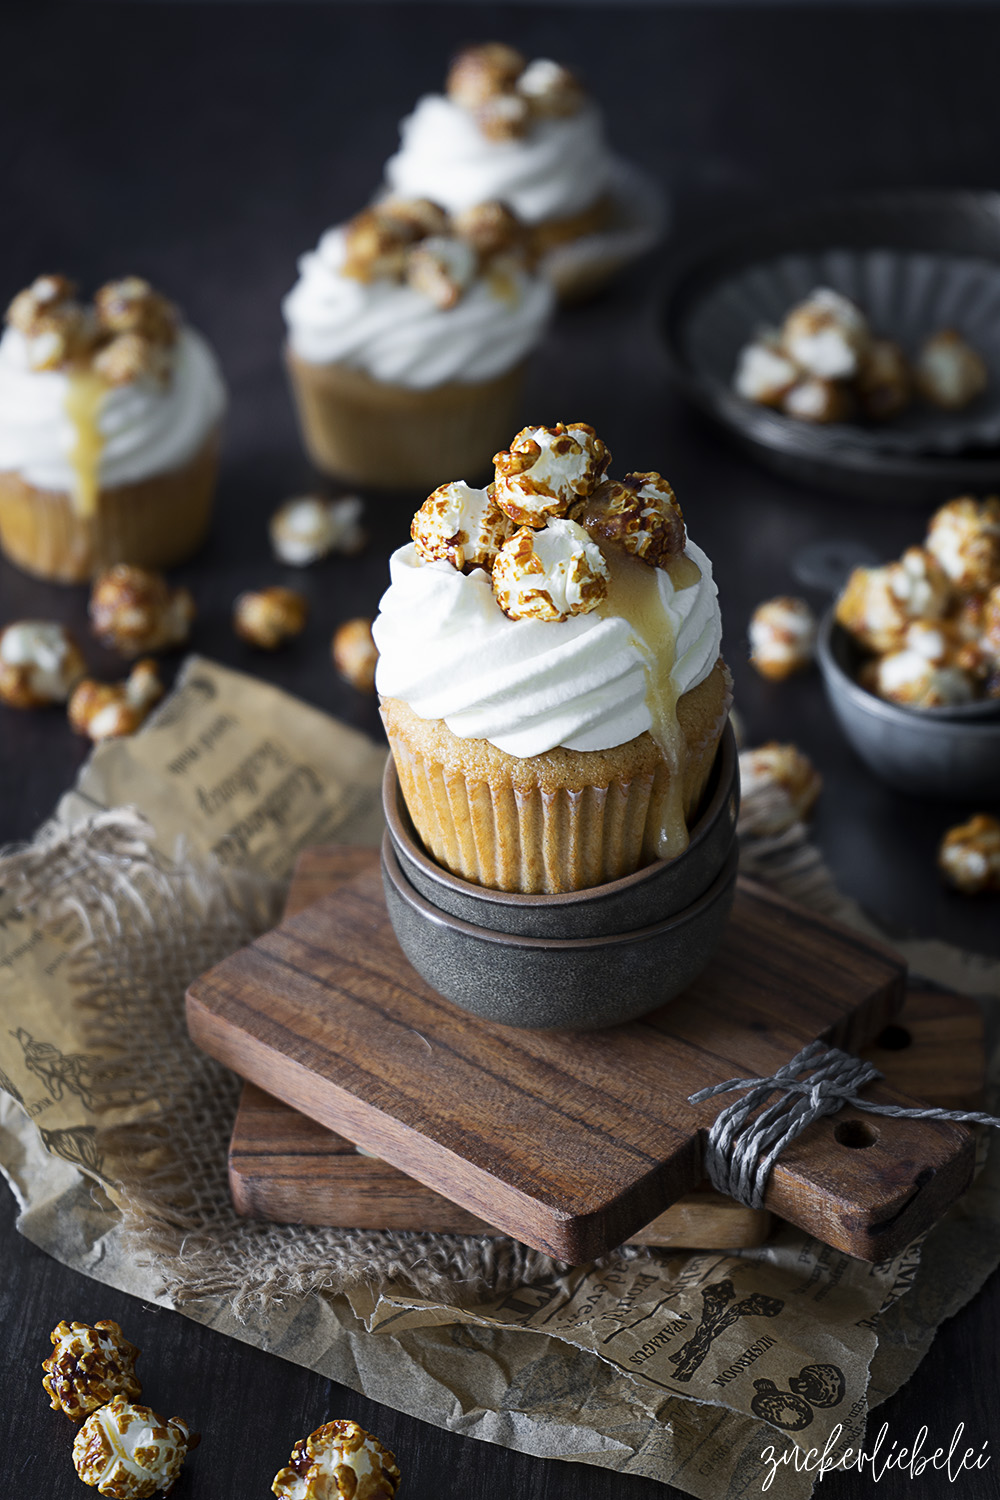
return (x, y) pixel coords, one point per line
(83, 407)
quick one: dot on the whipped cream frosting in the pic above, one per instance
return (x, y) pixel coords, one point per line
(559, 168)
(396, 334)
(147, 428)
(528, 686)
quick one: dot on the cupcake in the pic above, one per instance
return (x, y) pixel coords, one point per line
(109, 429)
(407, 335)
(526, 133)
(549, 669)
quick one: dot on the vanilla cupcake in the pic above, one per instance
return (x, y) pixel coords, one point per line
(109, 429)
(408, 333)
(526, 133)
(549, 669)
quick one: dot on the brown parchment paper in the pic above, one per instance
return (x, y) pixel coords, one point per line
(172, 851)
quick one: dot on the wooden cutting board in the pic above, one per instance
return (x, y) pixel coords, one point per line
(571, 1141)
(285, 1167)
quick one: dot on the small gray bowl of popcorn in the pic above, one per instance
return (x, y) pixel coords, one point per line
(910, 657)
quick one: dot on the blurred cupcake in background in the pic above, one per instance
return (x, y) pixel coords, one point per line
(408, 332)
(109, 429)
(526, 133)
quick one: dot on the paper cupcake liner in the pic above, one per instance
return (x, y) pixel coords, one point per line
(906, 296)
(636, 222)
(374, 433)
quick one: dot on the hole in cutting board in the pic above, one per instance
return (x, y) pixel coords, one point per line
(857, 1135)
(894, 1039)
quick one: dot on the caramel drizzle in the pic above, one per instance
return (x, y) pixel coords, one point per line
(84, 396)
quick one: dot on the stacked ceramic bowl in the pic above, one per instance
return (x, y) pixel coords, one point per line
(581, 960)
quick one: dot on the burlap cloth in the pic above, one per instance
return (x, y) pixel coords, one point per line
(173, 850)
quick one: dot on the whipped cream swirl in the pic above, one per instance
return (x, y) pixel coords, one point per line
(527, 686)
(559, 168)
(146, 428)
(396, 334)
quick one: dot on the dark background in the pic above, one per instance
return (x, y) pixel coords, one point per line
(206, 146)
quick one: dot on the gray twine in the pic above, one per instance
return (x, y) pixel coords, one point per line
(740, 1152)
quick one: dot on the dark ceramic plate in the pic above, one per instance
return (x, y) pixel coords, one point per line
(944, 246)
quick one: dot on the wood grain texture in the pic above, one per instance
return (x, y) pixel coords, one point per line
(572, 1142)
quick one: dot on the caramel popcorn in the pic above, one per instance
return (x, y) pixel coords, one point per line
(355, 654)
(490, 228)
(949, 372)
(376, 241)
(131, 1453)
(131, 306)
(134, 611)
(782, 637)
(817, 400)
(550, 574)
(417, 217)
(441, 269)
(131, 356)
(90, 1365)
(308, 528)
(269, 618)
(826, 335)
(883, 385)
(639, 514)
(461, 525)
(969, 856)
(547, 470)
(129, 333)
(339, 1461)
(507, 117)
(913, 679)
(39, 663)
(482, 73)
(550, 89)
(964, 536)
(56, 329)
(764, 372)
(108, 710)
(788, 780)
(878, 603)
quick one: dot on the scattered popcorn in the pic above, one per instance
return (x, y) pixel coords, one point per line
(441, 269)
(640, 514)
(339, 1461)
(547, 470)
(949, 372)
(107, 710)
(135, 611)
(308, 528)
(910, 678)
(826, 335)
(270, 617)
(964, 536)
(550, 574)
(129, 1452)
(462, 525)
(89, 1366)
(40, 662)
(782, 637)
(969, 856)
(884, 385)
(779, 786)
(817, 400)
(764, 373)
(355, 654)
(482, 73)
(550, 89)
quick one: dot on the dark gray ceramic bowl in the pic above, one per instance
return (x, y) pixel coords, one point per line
(563, 983)
(650, 895)
(924, 753)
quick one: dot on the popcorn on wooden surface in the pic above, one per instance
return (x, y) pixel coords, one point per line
(129, 1452)
(40, 663)
(355, 654)
(339, 1461)
(308, 527)
(547, 470)
(89, 1366)
(639, 513)
(790, 779)
(969, 856)
(461, 525)
(108, 710)
(270, 617)
(550, 574)
(782, 637)
(134, 610)
(949, 372)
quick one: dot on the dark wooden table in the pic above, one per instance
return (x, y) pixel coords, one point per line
(206, 146)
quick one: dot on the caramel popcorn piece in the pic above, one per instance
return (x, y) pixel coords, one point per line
(355, 654)
(782, 637)
(40, 662)
(131, 1453)
(817, 400)
(912, 679)
(826, 335)
(90, 1365)
(764, 373)
(547, 470)
(416, 217)
(884, 384)
(134, 611)
(308, 528)
(441, 269)
(481, 73)
(878, 603)
(269, 618)
(132, 356)
(56, 329)
(964, 537)
(108, 710)
(949, 372)
(131, 306)
(640, 514)
(550, 89)
(376, 241)
(785, 782)
(339, 1461)
(969, 856)
(506, 117)
(462, 526)
(491, 229)
(550, 574)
